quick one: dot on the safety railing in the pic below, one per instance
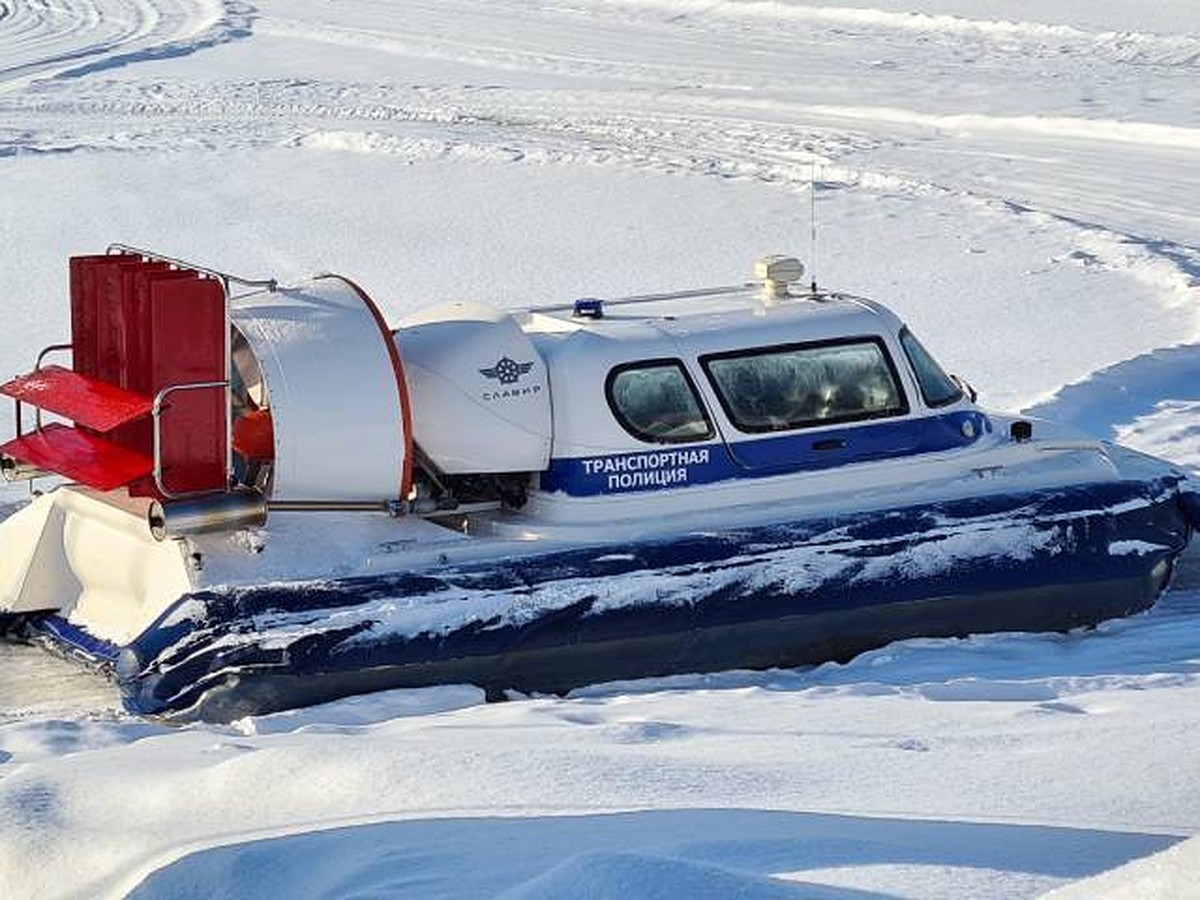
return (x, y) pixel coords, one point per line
(41, 358)
(156, 411)
(225, 278)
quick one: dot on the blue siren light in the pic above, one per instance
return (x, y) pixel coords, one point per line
(589, 308)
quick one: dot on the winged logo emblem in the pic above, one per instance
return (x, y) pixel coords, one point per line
(507, 371)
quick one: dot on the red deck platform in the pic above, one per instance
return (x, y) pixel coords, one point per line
(79, 456)
(86, 401)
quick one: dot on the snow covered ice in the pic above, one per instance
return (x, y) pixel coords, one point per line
(1021, 181)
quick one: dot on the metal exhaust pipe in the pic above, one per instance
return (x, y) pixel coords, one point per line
(217, 512)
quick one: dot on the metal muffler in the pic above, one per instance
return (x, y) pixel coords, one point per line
(216, 512)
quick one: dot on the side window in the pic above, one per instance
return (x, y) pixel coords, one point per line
(938, 388)
(655, 401)
(802, 386)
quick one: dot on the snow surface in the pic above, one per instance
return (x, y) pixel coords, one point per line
(1021, 181)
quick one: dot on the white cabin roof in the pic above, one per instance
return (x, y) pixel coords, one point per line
(712, 322)
(580, 353)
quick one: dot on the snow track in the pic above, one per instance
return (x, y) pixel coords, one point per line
(949, 33)
(45, 38)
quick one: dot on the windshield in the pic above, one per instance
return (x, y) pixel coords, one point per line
(937, 388)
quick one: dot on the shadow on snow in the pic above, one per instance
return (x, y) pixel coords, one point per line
(680, 853)
(1126, 391)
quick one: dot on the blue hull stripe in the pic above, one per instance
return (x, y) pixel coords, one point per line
(684, 465)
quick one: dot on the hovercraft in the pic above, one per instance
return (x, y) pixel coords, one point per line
(264, 497)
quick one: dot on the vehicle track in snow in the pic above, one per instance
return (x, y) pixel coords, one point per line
(1100, 216)
(56, 38)
(959, 34)
(767, 46)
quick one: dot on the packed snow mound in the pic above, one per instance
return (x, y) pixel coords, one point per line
(1169, 875)
(713, 852)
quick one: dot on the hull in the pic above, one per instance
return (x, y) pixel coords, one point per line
(772, 596)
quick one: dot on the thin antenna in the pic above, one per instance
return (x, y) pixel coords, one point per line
(812, 220)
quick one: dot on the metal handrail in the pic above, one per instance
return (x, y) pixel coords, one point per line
(156, 416)
(225, 278)
(41, 357)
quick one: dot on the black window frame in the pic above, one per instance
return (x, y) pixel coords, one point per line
(891, 413)
(658, 362)
(916, 373)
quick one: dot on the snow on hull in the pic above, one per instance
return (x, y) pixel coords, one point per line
(779, 595)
